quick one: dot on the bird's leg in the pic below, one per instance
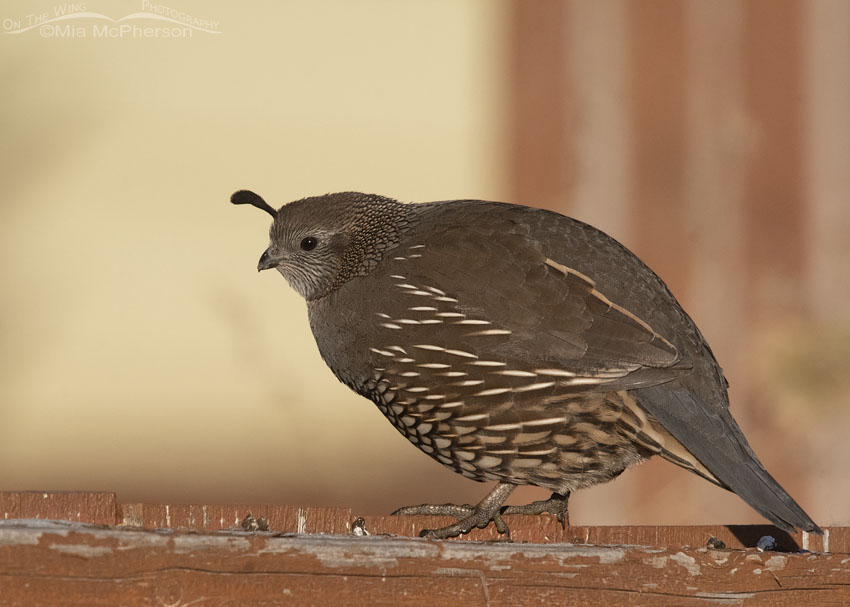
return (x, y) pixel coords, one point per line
(469, 517)
(557, 505)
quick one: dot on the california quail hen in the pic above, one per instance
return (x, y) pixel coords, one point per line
(512, 344)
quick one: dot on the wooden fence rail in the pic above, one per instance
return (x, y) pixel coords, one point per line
(88, 549)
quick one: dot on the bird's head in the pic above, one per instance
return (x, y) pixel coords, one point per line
(319, 243)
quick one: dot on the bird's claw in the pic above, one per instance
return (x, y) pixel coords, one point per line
(556, 505)
(469, 517)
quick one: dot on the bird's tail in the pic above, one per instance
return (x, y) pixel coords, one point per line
(715, 440)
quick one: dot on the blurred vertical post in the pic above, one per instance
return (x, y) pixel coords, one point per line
(702, 135)
(536, 148)
(775, 212)
(827, 155)
(826, 119)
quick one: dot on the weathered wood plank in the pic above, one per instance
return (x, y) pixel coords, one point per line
(97, 508)
(102, 509)
(45, 563)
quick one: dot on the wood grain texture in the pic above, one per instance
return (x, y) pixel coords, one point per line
(104, 509)
(71, 549)
(49, 563)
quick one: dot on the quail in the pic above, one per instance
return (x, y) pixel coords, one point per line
(514, 345)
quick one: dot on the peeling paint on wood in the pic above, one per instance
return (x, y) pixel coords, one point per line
(45, 563)
(128, 555)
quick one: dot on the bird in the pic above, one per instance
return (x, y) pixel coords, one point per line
(512, 344)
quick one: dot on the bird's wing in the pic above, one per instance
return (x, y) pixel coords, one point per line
(538, 311)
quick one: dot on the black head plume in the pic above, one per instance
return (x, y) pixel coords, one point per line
(255, 200)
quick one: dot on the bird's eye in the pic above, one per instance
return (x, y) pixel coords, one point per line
(309, 243)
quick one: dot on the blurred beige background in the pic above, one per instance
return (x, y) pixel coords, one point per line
(142, 353)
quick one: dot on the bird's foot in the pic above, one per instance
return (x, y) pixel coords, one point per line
(557, 505)
(469, 517)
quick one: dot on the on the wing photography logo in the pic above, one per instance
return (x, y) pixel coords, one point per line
(76, 20)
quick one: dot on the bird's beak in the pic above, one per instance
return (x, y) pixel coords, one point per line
(266, 262)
